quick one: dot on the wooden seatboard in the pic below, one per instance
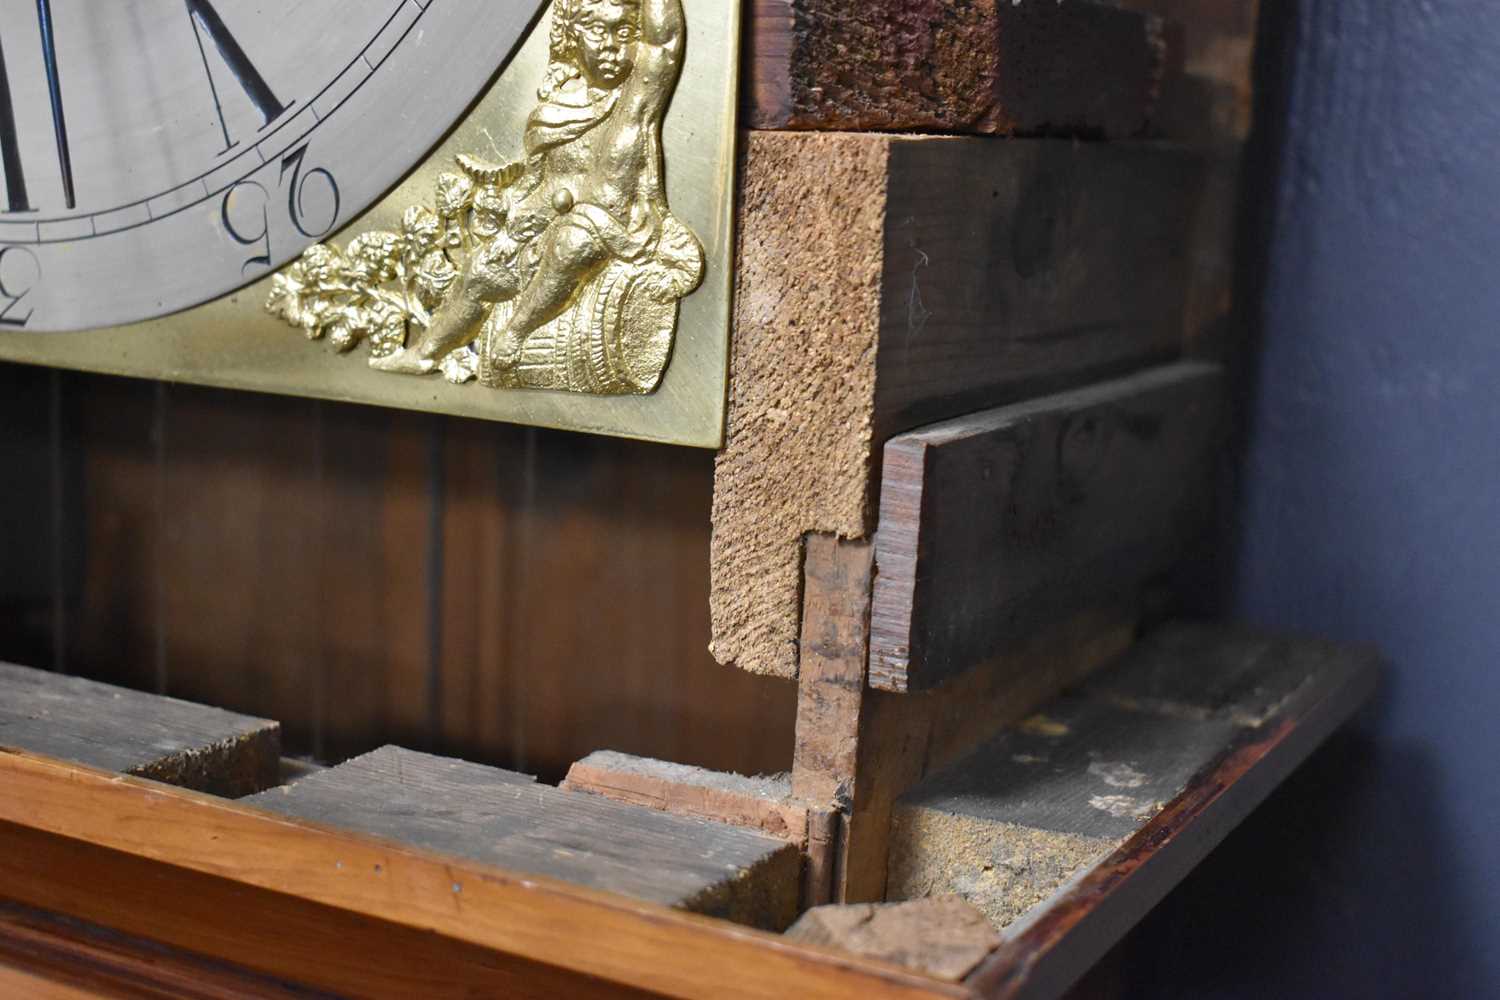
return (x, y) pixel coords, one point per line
(116, 729)
(354, 915)
(993, 524)
(1047, 795)
(497, 817)
(991, 67)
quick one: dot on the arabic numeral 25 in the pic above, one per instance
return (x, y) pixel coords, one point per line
(312, 206)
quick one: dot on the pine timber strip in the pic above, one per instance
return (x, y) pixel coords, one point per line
(146, 735)
(1046, 951)
(762, 803)
(992, 66)
(497, 817)
(886, 282)
(354, 915)
(758, 803)
(997, 521)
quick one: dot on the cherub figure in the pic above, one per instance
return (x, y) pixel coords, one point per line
(591, 193)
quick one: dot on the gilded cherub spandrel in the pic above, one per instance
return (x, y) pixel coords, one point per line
(561, 271)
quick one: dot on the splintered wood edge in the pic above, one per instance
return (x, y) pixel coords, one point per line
(1046, 951)
(226, 849)
(798, 445)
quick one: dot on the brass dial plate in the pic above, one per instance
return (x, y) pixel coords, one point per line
(235, 342)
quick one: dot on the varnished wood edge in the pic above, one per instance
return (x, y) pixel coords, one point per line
(1060, 939)
(649, 947)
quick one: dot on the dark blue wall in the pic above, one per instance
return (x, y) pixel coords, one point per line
(1370, 510)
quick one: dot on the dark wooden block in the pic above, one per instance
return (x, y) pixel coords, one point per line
(991, 66)
(994, 524)
(146, 735)
(507, 819)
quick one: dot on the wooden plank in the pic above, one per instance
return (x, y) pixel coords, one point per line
(942, 936)
(1047, 949)
(988, 67)
(1089, 789)
(141, 734)
(833, 653)
(995, 523)
(43, 956)
(341, 912)
(858, 749)
(499, 817)
(886, 282)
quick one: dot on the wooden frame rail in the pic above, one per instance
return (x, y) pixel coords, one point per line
(359, 916)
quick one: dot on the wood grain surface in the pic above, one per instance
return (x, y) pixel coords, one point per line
(996, 523)
(352, 915)
(505, 819)
(364, 576)
(992, 67)
(117, 729)
(888, 282)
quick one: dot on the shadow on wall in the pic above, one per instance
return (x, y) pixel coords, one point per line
(1282, 908)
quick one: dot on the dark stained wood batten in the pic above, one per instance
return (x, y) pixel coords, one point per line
(995, 523)
(990, 67)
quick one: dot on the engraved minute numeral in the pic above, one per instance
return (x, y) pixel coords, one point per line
(207, 20)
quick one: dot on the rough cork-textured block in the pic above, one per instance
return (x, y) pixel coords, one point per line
(986, 66)
(489, 815)
(146, 735)
(1054, 797)
(942, 936)
(885, 282)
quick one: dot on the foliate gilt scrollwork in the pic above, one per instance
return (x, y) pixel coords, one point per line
(562, 270)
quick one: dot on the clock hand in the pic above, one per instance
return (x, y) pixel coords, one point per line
(54, 90)
(10, 147)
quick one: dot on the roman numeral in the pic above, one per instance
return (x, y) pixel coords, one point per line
(207, 20)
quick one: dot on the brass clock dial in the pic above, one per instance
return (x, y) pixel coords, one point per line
(160, 153)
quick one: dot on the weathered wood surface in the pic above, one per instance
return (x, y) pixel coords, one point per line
(368, 576)
(994, 66)
(1093, 791)
(760, 802)
(1014, 821)
(942, 936)
(886, 282)
(356, 916)
(858, 749)
(995, 523)
(506, 819)
(1048, 949)
(146, 735)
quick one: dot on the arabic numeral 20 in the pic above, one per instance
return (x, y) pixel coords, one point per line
(312, 206)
